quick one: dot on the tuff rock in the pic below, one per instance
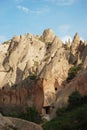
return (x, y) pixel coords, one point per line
(34, 71)
(8, 123)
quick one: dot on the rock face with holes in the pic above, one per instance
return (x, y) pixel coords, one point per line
(33, 69)
(56, 70)
(79, 83)
(28, 57)
(15, 99)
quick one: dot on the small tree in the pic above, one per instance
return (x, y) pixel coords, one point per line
(31, 114)
(73, 71)
(75, 99)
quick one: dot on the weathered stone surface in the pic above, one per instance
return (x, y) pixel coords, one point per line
(22, 55)
(85, 63)
(75, 43)
(56, 69)
(8, 123)
(39, 95)
(44, 58)
(79, 83)
(25, 125)
(23, 96)
(47, 36)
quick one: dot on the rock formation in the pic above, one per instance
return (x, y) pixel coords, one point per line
(79, 83)
(23, 95)
(8, 123)
(34, 69)
(48, 36)
(75, 43)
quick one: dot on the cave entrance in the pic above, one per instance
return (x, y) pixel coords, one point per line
(55, 88)
(47, 110)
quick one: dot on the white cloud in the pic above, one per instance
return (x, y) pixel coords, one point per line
(24, 9)
(63, 2)
(2, 39)
(43, 10)
(81, 39)
(64, 28)
(66, 38)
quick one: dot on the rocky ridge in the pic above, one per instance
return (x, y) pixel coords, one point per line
(34, 70)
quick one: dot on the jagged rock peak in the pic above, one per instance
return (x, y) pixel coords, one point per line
(76, 38)
(26, 36)
(47, 31)
(48, 35)
(75, 43)
(16, 38)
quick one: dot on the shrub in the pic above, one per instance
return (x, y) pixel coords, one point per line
(30, 114)
(32, 77)
(73, 71)
(61, 111)
(75, 99)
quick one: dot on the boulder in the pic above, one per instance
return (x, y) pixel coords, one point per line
(8, 123)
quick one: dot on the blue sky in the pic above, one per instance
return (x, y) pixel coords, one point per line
(64, 17)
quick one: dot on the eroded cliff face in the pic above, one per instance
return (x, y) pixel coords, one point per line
(18, 97)
(33, 69)
(23, 57)
(79, 83)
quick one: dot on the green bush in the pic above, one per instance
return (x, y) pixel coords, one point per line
(30, 114)
(61, 111)
(73, 71)
(75, 99)
(32, 77)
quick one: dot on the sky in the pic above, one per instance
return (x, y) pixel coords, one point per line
(64, 17)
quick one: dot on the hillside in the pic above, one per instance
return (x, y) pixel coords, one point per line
(41, 71)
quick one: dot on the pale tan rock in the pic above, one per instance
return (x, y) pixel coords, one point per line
(56, 44)
(55, 70)
(48, 36)
(79, 83)
(69, 44)
(8, 123)
(44, 57)
(23, 51)
(75, 43)
(85, 63)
